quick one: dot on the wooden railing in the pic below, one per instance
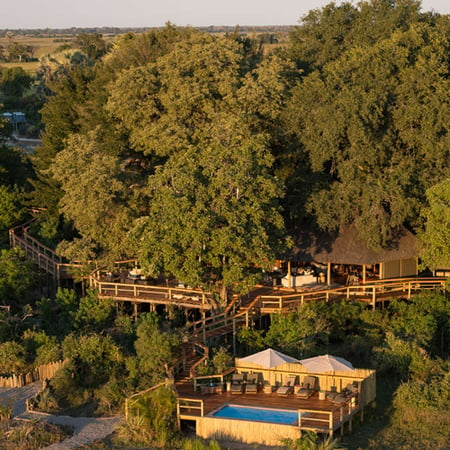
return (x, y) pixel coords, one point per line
(206, 379)
(186, 405)
(203, 351)
(331, 420)
(372, 292)
(140, 394)
(40, 373)
(46, 258)
(194, 298)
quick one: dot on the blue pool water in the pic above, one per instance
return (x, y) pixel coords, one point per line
(258, 414)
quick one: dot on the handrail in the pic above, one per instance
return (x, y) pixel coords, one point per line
(205, 351)
(137, 394)
(382, 287)
(190, 403)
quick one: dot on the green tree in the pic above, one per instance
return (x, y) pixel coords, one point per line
(14, 81)
(94, 314)
(436, 234)
(92, 44)
(57, 315)
(92, 194)
(12, 358)
(376, 140)
(17, 278)
(213, 210)
(95, 359)
(298, 333)
(155, 349)
(324, 34)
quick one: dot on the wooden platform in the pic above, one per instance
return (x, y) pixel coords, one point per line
(322, 416)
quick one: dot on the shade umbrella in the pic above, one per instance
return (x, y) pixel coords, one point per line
(327, 363)
(269, 358)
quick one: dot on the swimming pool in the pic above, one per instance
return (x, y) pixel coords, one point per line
(283, 416)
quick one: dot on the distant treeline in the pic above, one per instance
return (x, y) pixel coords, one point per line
(74, 31)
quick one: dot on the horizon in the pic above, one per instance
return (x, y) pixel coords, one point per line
(67, 14)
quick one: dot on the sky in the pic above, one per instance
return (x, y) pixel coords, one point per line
(154, 13)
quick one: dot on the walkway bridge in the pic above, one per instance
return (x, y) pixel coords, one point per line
(242, 311)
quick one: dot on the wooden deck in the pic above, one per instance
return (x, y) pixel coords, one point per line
(322, 416)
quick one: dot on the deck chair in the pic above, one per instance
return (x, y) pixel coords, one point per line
(237, 383)
(288, 387)
(349, 391)
(251, 387)
(307, 388)
(332, 393)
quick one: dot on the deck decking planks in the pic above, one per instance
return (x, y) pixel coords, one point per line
(313, 404)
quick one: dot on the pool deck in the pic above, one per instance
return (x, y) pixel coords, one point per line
(322, 416)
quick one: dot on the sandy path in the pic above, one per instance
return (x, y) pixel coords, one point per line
(86, 429)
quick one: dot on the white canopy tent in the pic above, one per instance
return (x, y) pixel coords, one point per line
(327, 363)
(268, 358)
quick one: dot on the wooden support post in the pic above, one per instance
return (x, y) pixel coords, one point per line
(289, 275)
(204, 326)
(329, 274)
(234, 336)
(135, 310)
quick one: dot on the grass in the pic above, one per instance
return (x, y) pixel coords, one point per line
(24, 435)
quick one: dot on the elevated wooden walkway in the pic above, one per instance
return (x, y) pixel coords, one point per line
(242, 311)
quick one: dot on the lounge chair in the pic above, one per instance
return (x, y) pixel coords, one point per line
(288, 387)
(348, 392)
(307, 388)
(330, 395)
(251, 387)
(237, 383)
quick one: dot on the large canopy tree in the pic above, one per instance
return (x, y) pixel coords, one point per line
(212, 210)
(374, 123)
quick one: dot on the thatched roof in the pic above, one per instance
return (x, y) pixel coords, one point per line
(346, 247)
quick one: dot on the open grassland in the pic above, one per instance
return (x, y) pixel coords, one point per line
(42, 46)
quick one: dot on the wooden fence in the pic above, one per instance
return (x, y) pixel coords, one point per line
(40, 373)
(371, 293)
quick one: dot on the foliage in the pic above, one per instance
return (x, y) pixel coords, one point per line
(421, 413)
(11, 209)
(94, 314)
(155, 349)
(199, 444)
(17, 278)
(95, 359)
(368, 133)
(298, 332)
(310, 441)
(24, 435)
(222, 360)
(57, 315)
(424, 320)
(253, 340)
(92, 194)
(12, 358)
(14, 81)
(41, 348)
(92, 44)
(436, 235)
(152, 420)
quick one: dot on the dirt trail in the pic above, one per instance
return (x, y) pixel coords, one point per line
(86, 429)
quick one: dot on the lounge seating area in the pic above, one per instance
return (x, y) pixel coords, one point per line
(309, 385)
